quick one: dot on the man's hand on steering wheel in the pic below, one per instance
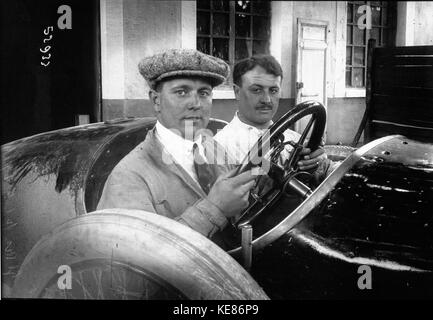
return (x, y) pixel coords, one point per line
(311, 160)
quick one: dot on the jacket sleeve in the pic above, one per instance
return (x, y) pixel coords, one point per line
(204, 217)
(126, 189)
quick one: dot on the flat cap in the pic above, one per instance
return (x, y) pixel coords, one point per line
(183, 62)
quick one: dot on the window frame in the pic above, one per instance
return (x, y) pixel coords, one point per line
(232, 38)
(352, 91)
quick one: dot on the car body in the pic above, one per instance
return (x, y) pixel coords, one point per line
(374, 210)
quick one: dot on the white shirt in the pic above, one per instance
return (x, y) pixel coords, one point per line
(238, 137)
(179, 148)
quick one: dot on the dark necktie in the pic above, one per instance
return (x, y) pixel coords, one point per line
(205, 174)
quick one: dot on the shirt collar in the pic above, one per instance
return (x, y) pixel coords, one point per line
(175, 144)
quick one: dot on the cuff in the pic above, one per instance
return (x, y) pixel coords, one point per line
(213, 213)
(204, 217)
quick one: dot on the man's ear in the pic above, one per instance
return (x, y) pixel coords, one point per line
(236, 90)
(154, 97)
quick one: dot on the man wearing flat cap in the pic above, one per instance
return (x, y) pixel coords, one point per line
(178, 171)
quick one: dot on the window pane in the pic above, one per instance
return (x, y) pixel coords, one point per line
(348, 55)
(203, 4)
(260, 47)
(221, 49)
(349, 12)
(358, 77)
(203, 45)
(243, 6)
(242, 25)
(242, 49)
(375, 34)
(357, 14)
(260, 27)
(375, 16)
(359, 56)
(203, 23)
(220, 5)
(261, 7)
(220, 24)
(349, 34)
(348, 77)
(358, 36)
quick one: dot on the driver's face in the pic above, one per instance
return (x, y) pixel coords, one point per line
(258, 96)
(183, 102)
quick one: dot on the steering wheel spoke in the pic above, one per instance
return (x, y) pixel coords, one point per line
(307, 130)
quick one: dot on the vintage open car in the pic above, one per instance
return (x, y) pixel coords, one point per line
(308, 238)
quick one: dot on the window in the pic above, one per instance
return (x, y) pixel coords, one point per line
(382, 29)
(233, 30)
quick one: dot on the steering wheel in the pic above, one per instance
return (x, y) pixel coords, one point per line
(266, 154)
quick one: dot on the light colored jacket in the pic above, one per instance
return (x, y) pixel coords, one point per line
(145, 180)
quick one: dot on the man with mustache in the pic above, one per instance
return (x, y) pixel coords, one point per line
(178, 171)
(257, 87)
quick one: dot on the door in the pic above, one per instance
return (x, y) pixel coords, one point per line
(311, 64)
